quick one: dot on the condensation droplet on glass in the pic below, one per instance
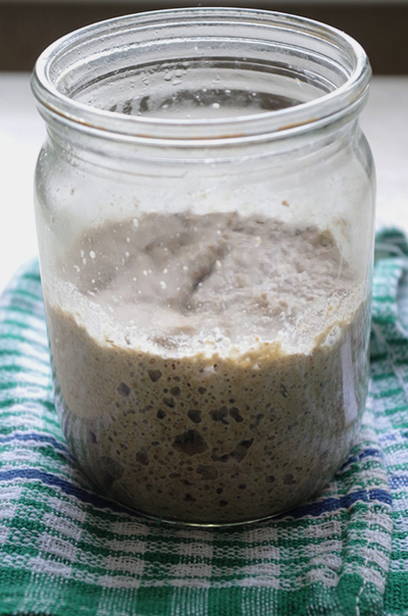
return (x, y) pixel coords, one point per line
(92, 254)
(216, 105)
(128, 240)
(163, 285)
(135, 222)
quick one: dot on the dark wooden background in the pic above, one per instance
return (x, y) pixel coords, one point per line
(25, 29)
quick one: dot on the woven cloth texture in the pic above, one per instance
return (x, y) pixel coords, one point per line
(65, 550)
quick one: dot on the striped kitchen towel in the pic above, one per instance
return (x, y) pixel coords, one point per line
(67, 551)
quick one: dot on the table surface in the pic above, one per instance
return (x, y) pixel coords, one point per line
(385, 121)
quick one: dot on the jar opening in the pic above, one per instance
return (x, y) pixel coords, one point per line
(201, 74)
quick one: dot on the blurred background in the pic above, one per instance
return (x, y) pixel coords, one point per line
(26, 27)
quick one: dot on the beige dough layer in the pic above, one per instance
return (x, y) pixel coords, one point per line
(208, 368)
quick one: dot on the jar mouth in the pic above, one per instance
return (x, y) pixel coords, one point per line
(198, 75)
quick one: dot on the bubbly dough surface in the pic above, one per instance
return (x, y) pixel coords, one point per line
(189, 283)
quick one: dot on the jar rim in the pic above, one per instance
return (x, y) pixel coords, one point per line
(276, 124)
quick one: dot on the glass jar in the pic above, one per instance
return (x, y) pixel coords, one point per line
(204, 204)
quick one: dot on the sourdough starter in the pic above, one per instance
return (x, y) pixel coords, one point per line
(208, 368)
